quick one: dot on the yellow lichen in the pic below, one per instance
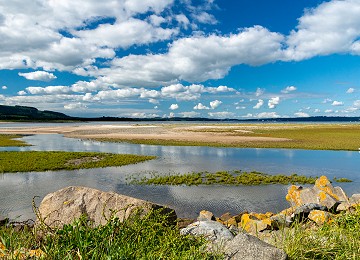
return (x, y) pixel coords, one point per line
(324, 184)
(294, 195)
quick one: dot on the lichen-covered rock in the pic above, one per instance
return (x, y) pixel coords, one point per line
(211, 230)
(205, 215)
(245, 246)
(252, 224)
(320, 217)
(66, 205)
(322, 193)
(303, 211)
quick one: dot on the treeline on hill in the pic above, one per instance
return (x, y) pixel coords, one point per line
(24, 113)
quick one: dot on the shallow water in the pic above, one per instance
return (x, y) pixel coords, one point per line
(18, 189)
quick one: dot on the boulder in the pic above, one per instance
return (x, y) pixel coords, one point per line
(3, 220)
(253, 223)
(322, 193)
(245, 246)
(355, 199)
(211, 230)
(66, 205)
(205, 215)
(303, 211)
(320, 217)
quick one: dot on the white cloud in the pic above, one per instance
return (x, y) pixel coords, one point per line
(174, 106)
(21, 93)
(238, 107)
(326, 100)
(357, 103)
(4, 87)
(182, 20)
(215, 104)
(337, 103)
(328, 111)
(223, 114)
(273, 102)
(200, 106)
(50, 90)
(75, 106)
(259, 92)
(205, 18)
(259, 104)
(317, 110)
(332, 27)
(267, 115)
(288, 89)
(301, 114)
(38, 75)
(350, 91)
(189, 114)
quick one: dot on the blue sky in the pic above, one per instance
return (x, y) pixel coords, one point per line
(186, 58)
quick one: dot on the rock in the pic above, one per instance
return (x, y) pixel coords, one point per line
(355, 199)
(252, 224)
(280, 220)
(184, 222)
(245, 246)
(322, 193)
(205, 215)
(66, 205)
(211, 230)
(320, 217)
(303, 211)
(225, 217)
(3, 221)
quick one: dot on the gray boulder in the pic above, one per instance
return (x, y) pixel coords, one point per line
(245, 246)
(211, 230)
(355, 199)
(66, 205)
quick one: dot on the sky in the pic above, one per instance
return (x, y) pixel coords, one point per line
(182, 58)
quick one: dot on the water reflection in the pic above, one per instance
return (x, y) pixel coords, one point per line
(18, 189)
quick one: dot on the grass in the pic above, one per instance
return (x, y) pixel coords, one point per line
(339, 239)
(137, 238)
(307, 136)
(56, 160)
(9, 140)
(223, 177)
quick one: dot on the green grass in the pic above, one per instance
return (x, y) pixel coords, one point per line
(136, 238)
(8, 140)
(339, 239)
(223, 177)
(310, 137)
(342, 180)
(55, 160)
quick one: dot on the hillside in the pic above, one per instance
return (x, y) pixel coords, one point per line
(29, 113)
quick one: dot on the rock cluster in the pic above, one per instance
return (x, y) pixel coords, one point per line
(318, 204)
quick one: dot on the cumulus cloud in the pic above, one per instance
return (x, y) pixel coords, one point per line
(267, 115)
(337, 103)
(259, 104)
(317, 110)
(38, 75)
(75, 106)
(200, 106)
(301, 114)
(224, 114)
(259, 92)
(350, 91)
(50, 90)
(4, 87)
(273, 102)
(326, 100)
(357, 103)
(288, 89)
(332, 27)
(174, 107)
(189, 114)
(215, 104)
(328, 111)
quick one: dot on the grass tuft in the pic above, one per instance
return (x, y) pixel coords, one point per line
(9, 140)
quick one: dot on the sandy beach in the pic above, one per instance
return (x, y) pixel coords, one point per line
(173, 132)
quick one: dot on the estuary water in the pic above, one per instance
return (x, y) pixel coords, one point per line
(18, 189)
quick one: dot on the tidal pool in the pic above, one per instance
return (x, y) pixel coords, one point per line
(18, 189)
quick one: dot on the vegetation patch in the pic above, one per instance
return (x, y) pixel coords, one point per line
(339, 239)
(56, 160)
(223, 177)
(9, 140)
(342, 180)
(149, 237)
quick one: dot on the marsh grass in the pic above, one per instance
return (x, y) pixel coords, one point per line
(9, 140)
(149, 237)
(223, 177)
(56, 160)
(339, 239)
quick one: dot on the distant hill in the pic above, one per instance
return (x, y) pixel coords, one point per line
(24, 113)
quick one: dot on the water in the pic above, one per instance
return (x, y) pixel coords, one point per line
(18, 189)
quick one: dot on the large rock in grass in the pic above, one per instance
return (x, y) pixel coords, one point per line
(322, 193)
(245, 246)
(66, 205)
